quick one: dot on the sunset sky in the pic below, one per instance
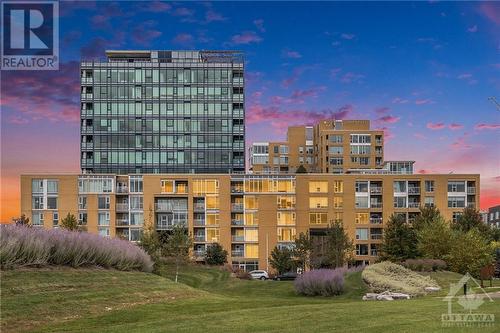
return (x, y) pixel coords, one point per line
(421, 71)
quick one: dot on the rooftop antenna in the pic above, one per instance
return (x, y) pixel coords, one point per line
(494, 101)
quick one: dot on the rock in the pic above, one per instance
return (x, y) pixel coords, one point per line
(432, 289)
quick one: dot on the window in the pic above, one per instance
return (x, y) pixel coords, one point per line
(360, 138)
(37, 202)
(338, 186)
(337, 161)
(362, 234)
(286, 218)
(136, 184)
(286, 234)
(95, 184)
(212, 202)
(338, 202)
(213, 234)
(212, 219)
(51, 202)
(251, 202)
(286, 202)
(361, 249)
(362, 218)
(456, 202)
(456, 216)
(399, 186)
(338, 217)
(103, 202)
(251, 235)
(37, 219)
(167, 186)
(399, 202)
(318, 187)
(103, 231)
(136, 202)
(456, 186)
(334, 150)
(82, 202)
(360, 150)
(55, 219)
(429, 201)
(205, 186)
(318, 202)
(361, 202)
(318, 218)
(336, 138)
(37, 186)
(429, 186)
(251, 250)
(103, 218)
(361, 187)
(251, 219)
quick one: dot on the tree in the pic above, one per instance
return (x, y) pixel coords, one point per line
(215, 255)
(302, 250)
(177, 246)
(22, 220)
(301, 169)
(400, 240)
(69, 222)
(281, 259)
(435, 239)
(150, 240)
(339, 245)
(471, 219)
(470, 252)
(428, 215)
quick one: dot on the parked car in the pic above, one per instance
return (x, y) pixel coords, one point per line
(286, 276)
(259, 275)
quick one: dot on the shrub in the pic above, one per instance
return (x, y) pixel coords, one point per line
(216, 255)
(425, 265)
(386, 276)
(23, 246)
(242, 274)
(322, 282)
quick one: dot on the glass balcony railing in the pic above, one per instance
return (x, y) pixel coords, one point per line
(376, 220)
(237, 238)
(237, 253)
(199, 238)
(471, 190)
(413, 204)
(237, 222)
(237, 206)
(413, 190)
(122, 207)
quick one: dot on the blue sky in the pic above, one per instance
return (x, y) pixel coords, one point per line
(422, 71)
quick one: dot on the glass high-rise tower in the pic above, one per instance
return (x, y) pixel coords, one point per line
(163, 112)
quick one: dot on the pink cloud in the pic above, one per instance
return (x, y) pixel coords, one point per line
(460, 143)
(18, 120)
(455, 126)
(398, 100)
(491, 10)
(156, 6)
(388, 135)
(423, 101)
(347, 36)
(419, 136)
(382, 110)
(472, 29)
(100, 21)
(351, 77)
(388, 119)
(291, 54)
(246, 37)
(424, 171)
(183, 11)
(335, 71)
(144, 33)
(296, 73)
(183, 38)
(259, 24)
(212, 16)
(437, 126)
(483, 126)
(464, 76)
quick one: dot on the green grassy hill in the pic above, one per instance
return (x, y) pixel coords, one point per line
(205, 300)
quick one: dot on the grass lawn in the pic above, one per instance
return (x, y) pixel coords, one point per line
(205, 300)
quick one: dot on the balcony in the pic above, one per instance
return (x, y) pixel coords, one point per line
(471, 190)
(199, 238)
(376, 190)
(87, 145)
(237, 238)
(199, 207)
(471, 204)
(122, 207)
(413, 204)
(86, 96)
(375, 220)
(122, 222)
(374, 253)
(168, 207)
(236, 189)
(238, 253)
(198, 222)
(237, 222)
(199, 253)
(376, 236)
(378, 142)
(237, 207)
(413, 190)
(122, 189)
(86, 129)
(375, 204)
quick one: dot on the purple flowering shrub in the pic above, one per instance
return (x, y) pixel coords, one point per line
(322, 282)
(24, 246)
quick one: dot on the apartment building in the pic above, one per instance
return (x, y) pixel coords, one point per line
(248, 214)
(330, 146)
(163, 112)
(492, 216)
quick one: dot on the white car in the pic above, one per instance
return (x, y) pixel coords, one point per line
(259, 275)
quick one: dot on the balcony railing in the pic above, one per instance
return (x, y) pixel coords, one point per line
(199, 238)
(376, 236)
(236, 189)
(376, 220)
(413, 204)
(200, 253)
(413, 190)
(199, 222)
(122, 222)
(165, 207)
(237, 207)
(122, 189)
(375, 205)
(122, 207)
(237, 238)
(237, 222)
(375, 190)
(374, 253)
(471, 190)
(237, 253)
(199, 207)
